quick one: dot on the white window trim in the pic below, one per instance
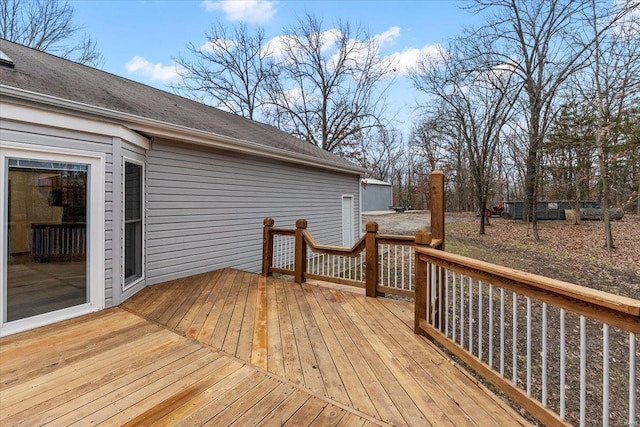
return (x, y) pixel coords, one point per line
(126, 286)
(96, 232)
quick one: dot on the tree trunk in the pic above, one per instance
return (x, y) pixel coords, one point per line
(531, 185)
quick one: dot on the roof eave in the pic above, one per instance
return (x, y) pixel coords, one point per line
(157, 128)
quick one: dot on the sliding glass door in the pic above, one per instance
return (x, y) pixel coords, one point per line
(52, 246)
(47, 230)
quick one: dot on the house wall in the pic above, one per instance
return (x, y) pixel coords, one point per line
(376, 197)
(205, 207)
(30, 134)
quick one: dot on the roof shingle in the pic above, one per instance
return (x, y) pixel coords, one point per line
(47, 74)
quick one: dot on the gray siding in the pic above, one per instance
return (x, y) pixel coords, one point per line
(376, 197)
(205, 207)
(57, 138)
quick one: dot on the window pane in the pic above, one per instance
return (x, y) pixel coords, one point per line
(133, 222)
(133, 250)
(132, 191)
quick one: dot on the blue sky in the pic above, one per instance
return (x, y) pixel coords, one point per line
(139, 39)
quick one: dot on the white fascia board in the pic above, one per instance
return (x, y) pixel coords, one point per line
(30, 114)
(179, 133)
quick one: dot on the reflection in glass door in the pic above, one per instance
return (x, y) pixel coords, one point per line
(47, 237)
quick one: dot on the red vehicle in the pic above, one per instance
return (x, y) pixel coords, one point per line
(495, 210)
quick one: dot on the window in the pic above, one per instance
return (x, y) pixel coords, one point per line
(133, 230)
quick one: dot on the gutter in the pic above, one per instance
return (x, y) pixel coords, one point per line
(158, 128)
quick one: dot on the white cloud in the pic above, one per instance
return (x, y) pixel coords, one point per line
(164, 73)
(402, 63)
(250, 11)
(277, 46)
(387, 37)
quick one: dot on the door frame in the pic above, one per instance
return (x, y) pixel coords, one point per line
(348, 242)
(95, 231)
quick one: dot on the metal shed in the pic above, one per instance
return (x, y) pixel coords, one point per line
(376, 195)
(545, 209)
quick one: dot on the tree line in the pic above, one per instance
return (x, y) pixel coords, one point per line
(541, 101)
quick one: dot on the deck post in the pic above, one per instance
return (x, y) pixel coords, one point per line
(267, 247)
(437, 232)
(437, 207)
(301, 251)
(423, 238)
(371, 246)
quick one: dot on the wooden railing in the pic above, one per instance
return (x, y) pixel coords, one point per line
(58, 242)
(381, 263)
(565, 353)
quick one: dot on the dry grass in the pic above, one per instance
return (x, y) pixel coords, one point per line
(574, 253)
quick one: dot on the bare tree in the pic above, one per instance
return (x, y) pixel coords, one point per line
(328, 82)
(476, 99)
(47, 25)
(229, 71)
(545, 43)
(380, 150)
(616, 72)
(427, 138)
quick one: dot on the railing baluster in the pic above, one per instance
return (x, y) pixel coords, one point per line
(583, 371)
(632, 379)
(502, 331)
(431, 306)
(605, 375)
(514, 340)
(387, 261)
(563, 360)
(395, 265)
(454, 304)
(441, 277)
(412, 254)
(544, 354)
(529, 346)
(470, 315)
(480, 319)
(462, 310)
(446, 302)
(490, 325)
(401, 268)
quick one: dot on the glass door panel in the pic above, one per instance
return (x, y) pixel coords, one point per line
(47, 237)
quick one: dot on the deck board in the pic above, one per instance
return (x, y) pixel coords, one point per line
(231, 348)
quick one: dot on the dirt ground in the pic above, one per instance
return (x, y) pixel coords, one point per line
(573, 253)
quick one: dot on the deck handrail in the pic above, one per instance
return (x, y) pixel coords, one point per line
(304, 240)
(444, 284)
(300, 240)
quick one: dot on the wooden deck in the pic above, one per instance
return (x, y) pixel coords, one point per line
(232, 348)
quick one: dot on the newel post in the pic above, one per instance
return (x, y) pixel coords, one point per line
(437, 207)
(301, 251)
(371, 246)
(423, 239)
(267, 247)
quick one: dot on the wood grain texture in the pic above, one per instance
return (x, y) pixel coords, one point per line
(234, 348)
